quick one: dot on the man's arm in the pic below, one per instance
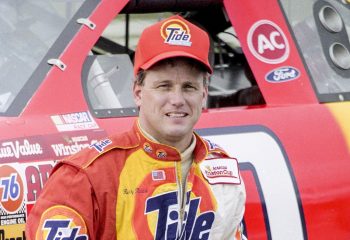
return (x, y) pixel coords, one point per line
(65, 207)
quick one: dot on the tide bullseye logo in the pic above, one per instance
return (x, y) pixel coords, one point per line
(11, 189)
(267, 42)
(156, 214)
(61, 223)
(176, 32)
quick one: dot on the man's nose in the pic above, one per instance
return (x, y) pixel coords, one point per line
(177, 97)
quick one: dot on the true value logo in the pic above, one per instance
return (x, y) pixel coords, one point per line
(193, 227)
(18, 149)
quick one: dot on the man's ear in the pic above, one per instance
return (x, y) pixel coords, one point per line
(137, 94)
(205, 90)
(205, 96)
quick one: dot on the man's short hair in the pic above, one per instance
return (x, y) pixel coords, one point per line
(141, 75)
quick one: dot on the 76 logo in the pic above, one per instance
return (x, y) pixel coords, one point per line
(11, 188)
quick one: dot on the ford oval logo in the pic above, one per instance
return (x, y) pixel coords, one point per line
(282, 74)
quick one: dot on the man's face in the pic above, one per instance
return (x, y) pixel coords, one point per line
(171, 101)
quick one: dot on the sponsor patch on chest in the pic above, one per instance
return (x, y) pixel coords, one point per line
(221, 170)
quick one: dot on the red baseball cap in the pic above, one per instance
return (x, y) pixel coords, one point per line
(172, 37)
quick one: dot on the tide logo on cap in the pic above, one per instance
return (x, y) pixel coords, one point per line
(176, 32)
(61, 223)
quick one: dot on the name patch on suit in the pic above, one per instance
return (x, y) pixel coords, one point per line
(221, 170)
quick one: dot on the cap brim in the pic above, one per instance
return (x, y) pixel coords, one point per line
(172, 54)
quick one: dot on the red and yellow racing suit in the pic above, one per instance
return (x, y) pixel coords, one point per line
(128, 187)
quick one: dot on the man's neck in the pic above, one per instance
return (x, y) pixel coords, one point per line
(181, 146)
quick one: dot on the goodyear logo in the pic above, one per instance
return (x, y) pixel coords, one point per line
(176, 32)
(61, 223)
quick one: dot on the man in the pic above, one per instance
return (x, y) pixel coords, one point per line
(159, 180)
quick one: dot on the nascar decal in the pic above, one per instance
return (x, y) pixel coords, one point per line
(176, 32)
(60, 223)
(74, 121)
(282, 74)
(12, 207)
(267, 42)
(224, 170)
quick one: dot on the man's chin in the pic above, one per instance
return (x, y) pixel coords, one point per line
(178, 134)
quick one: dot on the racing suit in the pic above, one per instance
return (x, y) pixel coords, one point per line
(128, 187)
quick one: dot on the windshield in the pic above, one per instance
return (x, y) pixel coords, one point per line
(321, 29)
(28, 30)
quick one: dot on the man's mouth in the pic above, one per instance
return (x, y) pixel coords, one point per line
(176, 115)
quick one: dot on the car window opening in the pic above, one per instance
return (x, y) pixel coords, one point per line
(109, 70)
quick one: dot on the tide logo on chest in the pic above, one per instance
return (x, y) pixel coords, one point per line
(194, 225)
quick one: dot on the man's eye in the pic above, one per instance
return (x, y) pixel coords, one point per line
(190, 87)
(163, 86)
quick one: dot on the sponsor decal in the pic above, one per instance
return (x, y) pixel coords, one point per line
(195, 224)
(267, 42)
(147, 147)
(20, 148)
(47, 147)
(161, 154)
(12, 207)
(61, 223)
(282, 74)
(212, 145)
(72, 146)
(176, 32)
(223, 170)
(12, 232)
(36, 175)
(100, 145)
(158, 175)
(74, 121)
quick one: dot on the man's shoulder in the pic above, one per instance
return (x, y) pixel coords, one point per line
(214, 149)
(99, 149)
